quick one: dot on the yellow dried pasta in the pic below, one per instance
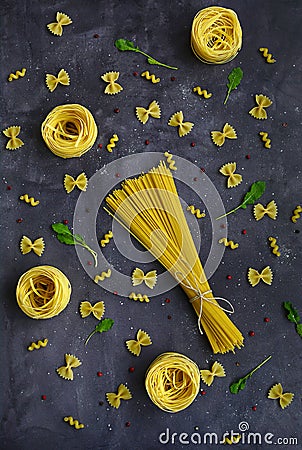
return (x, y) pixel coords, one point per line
(234, 179)
(151, 77)
(98, 309)
(114, 399)
(112, 143)
(270, 209)
(196, 211)
(52, 81)
(30, 200)
(102, 276)
(276, 393)
(219, 137)
(177, 120)
(140, 297)
(170, 161)
(80, 182)
(296, 213)
(138, 277)
(56, 28)
(71, 363)
(254, 276)
(228, 243)
(172, 381)
(69, 131)
(217, 370)
(43, 292)
(112, 87)
(37, 345)
(265, 139)
(74, 423)
(268, 56)
(274, 246)
(259, 111)
(14, 142)
(216, 35)
(106, 238)
(202, 92)
(17, 74)
(26, 246)
(142, 339)
(153, 110)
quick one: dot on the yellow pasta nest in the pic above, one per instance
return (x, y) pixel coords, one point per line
(69, 130)
(172, 381)
(216, 35)
(43, 292)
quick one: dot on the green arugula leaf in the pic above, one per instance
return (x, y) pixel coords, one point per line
(125, 45)
(65, 236)
(293, 316)
(235, 77)
(257, 189)
(240, 384)
(255, 192)
(101, 327)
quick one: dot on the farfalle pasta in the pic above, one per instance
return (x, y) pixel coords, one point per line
(12, 133)
(218, 137)
(153, 110)
(217, 370)
(271, 210)
(80, 182)
(276, 393)
(98, 309)
(138, 277)
(259, 112)
(56, 28)
(52, 81)
(255, 277)
(71, 363)
(114, 399)
(112, 87)
(229, 171)
(26, 246)
(177, 120)
(142, 340)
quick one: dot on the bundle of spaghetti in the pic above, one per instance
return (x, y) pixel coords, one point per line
(149, 207)
(69, 130)
(43, 292)
(216, 35)
(172, 381)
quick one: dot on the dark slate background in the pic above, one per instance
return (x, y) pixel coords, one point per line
(161, 28)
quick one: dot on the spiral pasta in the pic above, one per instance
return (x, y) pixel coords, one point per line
(172, 381)
(216, 35)
(43, 292)
(69, 131)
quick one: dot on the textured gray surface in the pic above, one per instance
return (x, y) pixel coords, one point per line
(163, 29)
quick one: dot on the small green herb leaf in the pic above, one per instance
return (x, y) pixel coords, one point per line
(125, 45)
(255, 192)
(257, 189)
(235, 77)
(293, 316)
(65, 236)
(240, 384)
(102, 326)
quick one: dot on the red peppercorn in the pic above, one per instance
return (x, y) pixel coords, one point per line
(9, 188)
(169, 317)
(115, 292)
(167, 300)
(19, 220)
(135, 74)
(147, 142)
(229, 277)
(193, 144)
(117, 175)
(254, 408)
(65, 222)
(173, 78)
(96, 35)
(43, 397)
(266, 319)
(244, 232)
(116, 110)
(248, 156)
(252, 333)
(131, 369)
(89, 263)
(202, 169)
(127, 424)
(284, 124)
(100, 145)
(203, 392)
(100, 374)
(195, 179)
